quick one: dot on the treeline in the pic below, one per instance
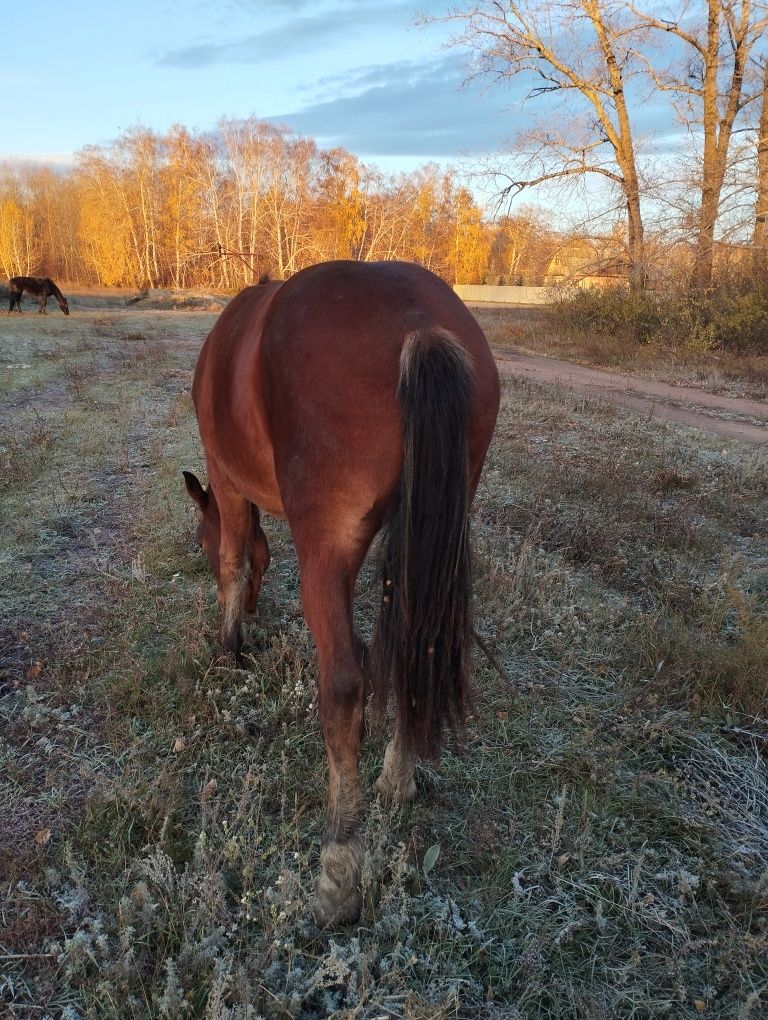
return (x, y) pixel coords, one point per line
(215, 210)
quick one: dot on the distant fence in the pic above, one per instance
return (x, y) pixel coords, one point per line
(505, 295)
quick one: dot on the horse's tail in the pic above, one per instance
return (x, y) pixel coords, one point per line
(421, 647)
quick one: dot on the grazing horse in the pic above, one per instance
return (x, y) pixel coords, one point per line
(42, 286)
(353, 397)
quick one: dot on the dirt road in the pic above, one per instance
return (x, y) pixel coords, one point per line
(735, 417)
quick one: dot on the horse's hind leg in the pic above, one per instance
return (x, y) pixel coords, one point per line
(396, 782)
(327, 584)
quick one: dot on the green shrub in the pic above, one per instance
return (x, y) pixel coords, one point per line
(723, 319)
(618, 313)
(740, 321)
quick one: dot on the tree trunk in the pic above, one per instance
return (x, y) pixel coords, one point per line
(760, 234)
(624, 147)
(718, 129)
(704, 256)
(635, 243)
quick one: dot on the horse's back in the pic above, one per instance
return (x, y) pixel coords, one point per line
(31, 283)
(330, 359)
(358, 314)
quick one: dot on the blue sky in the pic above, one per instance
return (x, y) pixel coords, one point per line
(355, 73)
(361, 74)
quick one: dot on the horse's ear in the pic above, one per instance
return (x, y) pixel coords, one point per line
(195, 489)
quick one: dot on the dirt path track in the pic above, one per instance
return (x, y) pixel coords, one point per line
(734, 417)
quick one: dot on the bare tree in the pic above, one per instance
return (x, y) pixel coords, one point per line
(709, 83)
(522, 247)
(580, 51)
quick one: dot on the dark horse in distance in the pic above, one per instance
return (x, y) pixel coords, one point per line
(43, 287)
(353, 397)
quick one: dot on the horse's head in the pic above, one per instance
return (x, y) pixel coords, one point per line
(209, 537)
(64, 306)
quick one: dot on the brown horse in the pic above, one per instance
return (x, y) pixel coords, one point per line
(354, 396)
(43, 287)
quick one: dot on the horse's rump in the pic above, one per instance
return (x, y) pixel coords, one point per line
(330, 361)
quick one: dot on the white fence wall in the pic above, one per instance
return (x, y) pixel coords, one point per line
(505, 295)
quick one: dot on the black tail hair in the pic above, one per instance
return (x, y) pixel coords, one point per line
(421, 646)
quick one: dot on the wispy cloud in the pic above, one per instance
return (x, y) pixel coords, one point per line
(52, 159)
(291, 36)
(408, 109)
(427, 109)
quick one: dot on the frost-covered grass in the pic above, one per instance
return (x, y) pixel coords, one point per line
(597, 846)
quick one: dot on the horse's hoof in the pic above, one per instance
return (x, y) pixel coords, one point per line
(337, 897)
(395, 792)
(233, 654)
(332, 913)
(396, 781)
(231, 640)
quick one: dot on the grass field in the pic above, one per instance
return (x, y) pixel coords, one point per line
(596, 846)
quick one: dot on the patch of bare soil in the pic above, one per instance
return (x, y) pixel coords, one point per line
(733, 417)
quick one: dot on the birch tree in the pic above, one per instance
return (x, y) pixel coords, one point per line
(341, 209)
(185, 215)
(19, 249)
(110, 245)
